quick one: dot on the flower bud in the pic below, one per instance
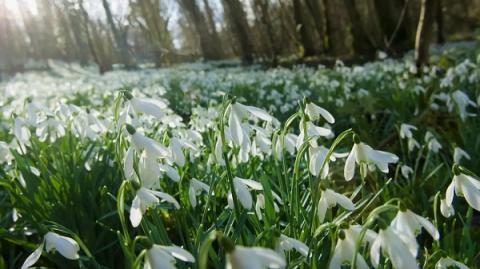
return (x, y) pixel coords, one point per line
(130, 129)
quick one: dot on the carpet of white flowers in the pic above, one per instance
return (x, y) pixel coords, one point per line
(372, 166)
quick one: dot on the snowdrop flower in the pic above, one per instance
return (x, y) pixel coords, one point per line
(406, 171)
(147, 106)
(5, 154)
(408, 224)
(196, 187)
(328, 199)
(171, 172)
(254, 258)
(163, 257)
(446, 210)
(394, 247)
(406, 130)
(458, 154)
(312, 131)
(66, 246)
(432, 142)
(447, 262)
(177, 153)
(346, 247)
(314, 112)
(463, 101)
(260, 204)
(466, 186)
(243, 194)
(141, 142)
(317, 157)
(363, 153)
(50, 128)
(238, 112)
(22, 134)
(286, 243)
(145, 198)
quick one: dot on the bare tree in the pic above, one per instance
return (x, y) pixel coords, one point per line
(424, 32)
(237, 18)
(210, 48)
(120, 37)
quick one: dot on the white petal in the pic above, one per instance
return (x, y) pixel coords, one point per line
(167, 197)
(471, 194)
(243, 194)
(235, 129)
(33, 258)
(251, 183)
(322, 209)
(431, 229)
(450, 192)
(135, 212)
(179, 253)
(343, 201)
(66, 246)
(375, 250)
(349, 170)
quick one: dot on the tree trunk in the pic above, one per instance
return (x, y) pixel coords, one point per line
(209, 48)
(121, 44)
(362, 44)
(238, 21)
(336, 28)
(424, 33)
(304, 25)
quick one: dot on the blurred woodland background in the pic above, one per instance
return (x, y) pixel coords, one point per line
(129, 33)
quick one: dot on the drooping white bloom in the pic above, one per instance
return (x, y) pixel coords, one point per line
(329, 198)
(406, 130)
(22, 134)
(462, 101)
(406, 171)
(196, 187)
(152, 107)
(286, 243)
(146, 198)
(163, 257)
(363, 153)
(141, 142)
(312, 131)
(447, 262)
(314, 112)
(254, 258)
(346, 247)
(394, 247)
(50, 128)
(260, 204)
(466, 186)
(243, 193)
(177, 153)
(66, 246)
(458, 154)
(317, 158)
(446, 210)
(408, 224)
(171, 172)
(432, 142)
(5, 154)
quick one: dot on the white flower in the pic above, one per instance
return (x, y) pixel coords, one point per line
(406, 171)
(260, 204)
(346, 247)
(314, 112)
(146, 198)
(66, 246)
(286, 243)
(317, 157)
(243, 193)
(364, 153)
(433, 144)
(148, 106)
(395, 248)
(141, 142)
(466, 186)
(177, 153)
(458, 154)
(50, 128)
(163, 257)
(447, 262)
(329, 198)
(254, 258)
(408, 224)
(446, 210)
(5, 154)
(462, 101)
(196, 187)
(406, 130)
